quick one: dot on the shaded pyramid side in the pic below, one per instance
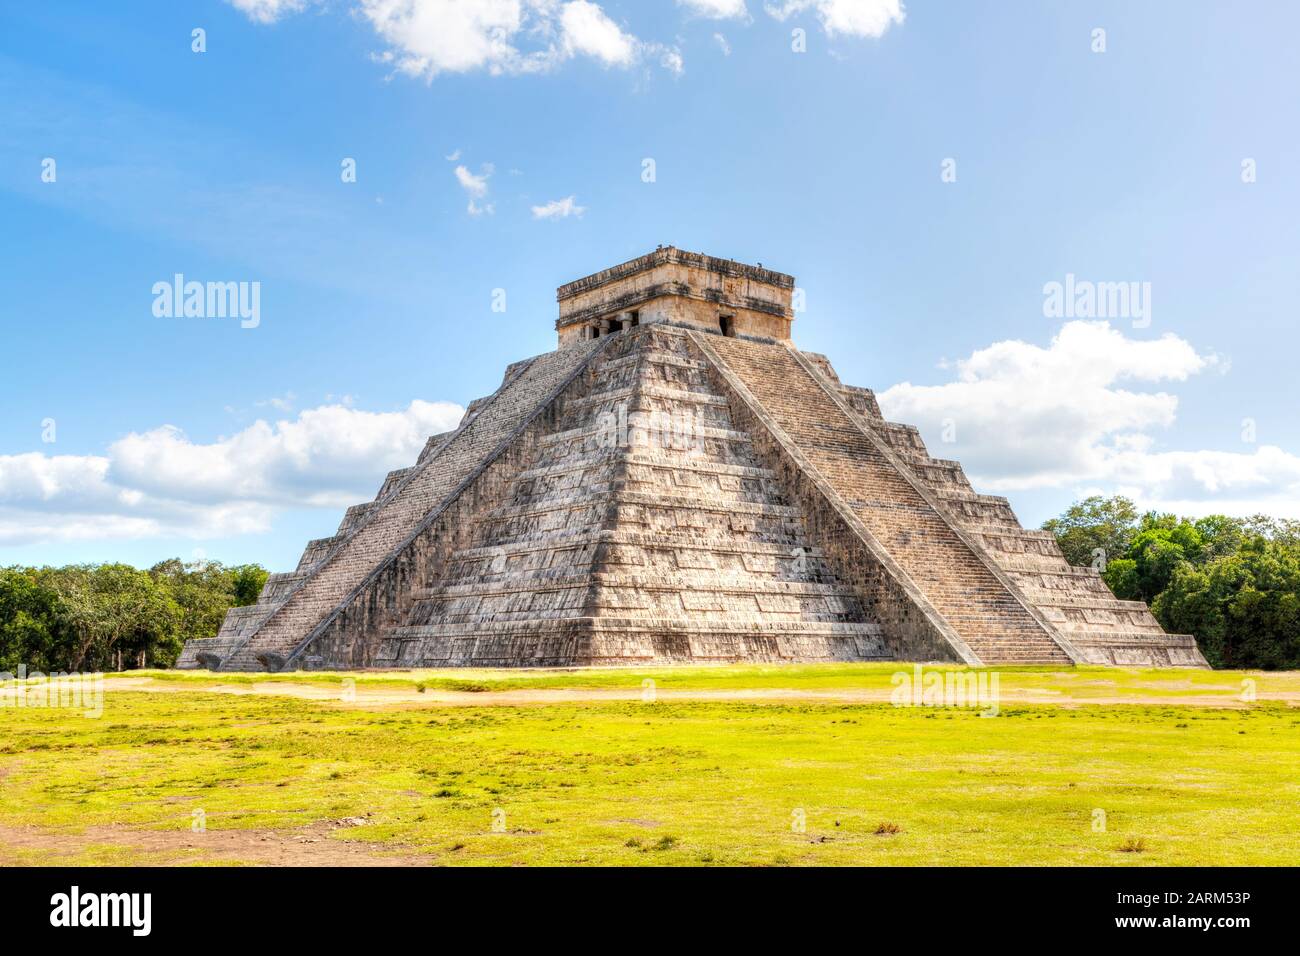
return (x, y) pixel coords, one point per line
(241, 622)
(359, 577)
(641, 529)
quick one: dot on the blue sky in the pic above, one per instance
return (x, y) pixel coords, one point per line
(469, 122)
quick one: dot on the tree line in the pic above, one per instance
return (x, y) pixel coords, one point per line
(1233, 583)
(104, 617)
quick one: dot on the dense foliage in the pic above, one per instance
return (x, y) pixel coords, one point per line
(1234, 583)
(113, 616)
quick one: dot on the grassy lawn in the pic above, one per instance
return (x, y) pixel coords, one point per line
(674, 781)
(1080, 683)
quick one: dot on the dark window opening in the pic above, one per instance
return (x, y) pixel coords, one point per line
(727, 325)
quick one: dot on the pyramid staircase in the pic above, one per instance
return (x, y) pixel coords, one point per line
(1072, 604)
(970, 600)
(643, 529)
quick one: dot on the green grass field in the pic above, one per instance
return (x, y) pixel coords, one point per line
(1176, 765)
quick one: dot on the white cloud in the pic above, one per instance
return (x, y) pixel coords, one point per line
(429, 37)
(161, 483)
(1076, 414)
(670, 58)
(476, 187)
(722, 43)
(1266, 480)
(861, 18)
(588, 30)
(716, 9)
(426, 38)
(268, 11)
(559, 209)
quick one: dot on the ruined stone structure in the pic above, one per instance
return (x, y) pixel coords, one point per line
(678, 482)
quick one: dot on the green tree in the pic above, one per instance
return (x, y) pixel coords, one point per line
(1096, 524)
(118, 615)
(249, 580)
(1160, 545)
(87, 617)
(1243, 608)
(1220, 535)
(1122, 577)
(30, 616)
(203, 591)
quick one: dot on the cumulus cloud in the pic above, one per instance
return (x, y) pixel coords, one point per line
(860, 18)
(1084, 411)
(160, 482)
(722, 43)
(559, 209)
(426, 38)
(429, 37)
(716, 9)
(588, 30)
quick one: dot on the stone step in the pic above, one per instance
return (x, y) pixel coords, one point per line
(602, 497)
(433, 443)
(631, 393)
(682, 625)
(1025, 561)
(1121, 623)
(1061, 599)
(653, 356)
(643, 459)
(596, 434)
(722, 543)
(712, 583)
(541, 644)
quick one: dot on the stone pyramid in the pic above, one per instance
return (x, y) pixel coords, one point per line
(677, 482)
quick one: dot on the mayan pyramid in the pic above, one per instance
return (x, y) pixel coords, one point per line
(678, 482)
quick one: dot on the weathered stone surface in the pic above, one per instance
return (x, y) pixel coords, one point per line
(669, 486)
(207, 661)
(680, 288)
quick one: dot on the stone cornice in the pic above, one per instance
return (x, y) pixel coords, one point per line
(627, 300)
(671, 254)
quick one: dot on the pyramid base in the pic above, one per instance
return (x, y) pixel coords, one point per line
(586, 643)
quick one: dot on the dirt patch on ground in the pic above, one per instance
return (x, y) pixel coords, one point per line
(309, 846)
(375, 696)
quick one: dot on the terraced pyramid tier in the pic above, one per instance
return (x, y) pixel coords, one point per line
(642, 529)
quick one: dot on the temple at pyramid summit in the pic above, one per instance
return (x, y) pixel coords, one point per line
(678, 482)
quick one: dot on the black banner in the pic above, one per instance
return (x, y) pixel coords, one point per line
(338, 905)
